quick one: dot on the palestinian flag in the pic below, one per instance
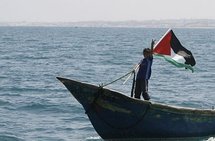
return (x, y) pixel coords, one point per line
(172, 51)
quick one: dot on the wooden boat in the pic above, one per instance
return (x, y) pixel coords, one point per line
(117, 116)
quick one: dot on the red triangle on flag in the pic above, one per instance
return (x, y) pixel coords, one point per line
(163, 46)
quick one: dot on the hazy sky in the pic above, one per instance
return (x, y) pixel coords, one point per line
(105, 10)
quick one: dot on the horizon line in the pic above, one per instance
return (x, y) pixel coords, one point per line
(82, 21)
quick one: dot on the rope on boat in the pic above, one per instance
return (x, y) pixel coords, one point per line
(133, 83)
(130, 72)
(104, 85)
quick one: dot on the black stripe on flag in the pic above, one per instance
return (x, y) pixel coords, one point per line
(180, 50)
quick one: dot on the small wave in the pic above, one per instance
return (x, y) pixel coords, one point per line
(2, 103)
(42, 107)
(86, 129)
(10, 138)
(94, 139)
(7, 39)
(33, 107)
(31, 40)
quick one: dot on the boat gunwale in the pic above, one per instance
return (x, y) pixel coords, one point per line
(153, 105)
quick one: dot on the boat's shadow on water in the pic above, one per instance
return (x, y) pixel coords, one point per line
(155, 139)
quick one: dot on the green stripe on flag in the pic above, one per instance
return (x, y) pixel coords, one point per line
(177, 64)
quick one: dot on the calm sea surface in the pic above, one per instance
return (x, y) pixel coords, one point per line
(35, 106)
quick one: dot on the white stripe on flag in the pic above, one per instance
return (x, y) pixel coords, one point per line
(177, 58)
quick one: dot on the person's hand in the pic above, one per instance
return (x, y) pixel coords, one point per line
(152, 43)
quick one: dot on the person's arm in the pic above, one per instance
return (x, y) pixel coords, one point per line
(152, 45)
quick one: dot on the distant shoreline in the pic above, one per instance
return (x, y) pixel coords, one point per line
(182, 23)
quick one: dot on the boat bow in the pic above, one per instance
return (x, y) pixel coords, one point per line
(115, 115)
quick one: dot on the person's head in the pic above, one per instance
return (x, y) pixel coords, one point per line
(146, 52)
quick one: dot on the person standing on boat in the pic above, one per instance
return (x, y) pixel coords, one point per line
(144, 73)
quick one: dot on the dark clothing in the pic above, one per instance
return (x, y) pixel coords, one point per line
(145, 68)
(143, 76)
(141, 87)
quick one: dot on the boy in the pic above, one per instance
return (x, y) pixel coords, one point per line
(144, 73)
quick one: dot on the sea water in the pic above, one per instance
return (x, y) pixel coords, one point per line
(35, 106)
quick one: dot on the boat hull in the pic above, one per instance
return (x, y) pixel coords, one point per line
(116, 116)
